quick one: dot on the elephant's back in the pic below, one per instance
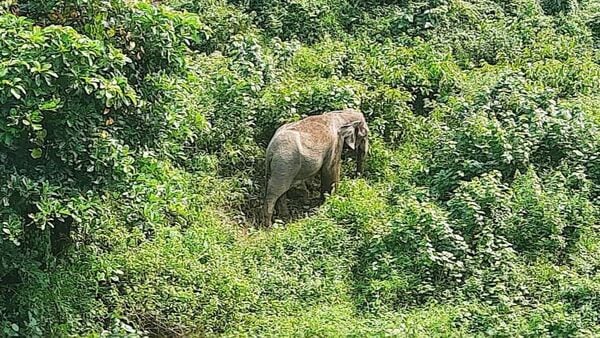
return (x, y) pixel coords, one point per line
(300, 147)
(313, 131)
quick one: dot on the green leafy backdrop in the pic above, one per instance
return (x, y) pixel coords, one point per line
(132, 137)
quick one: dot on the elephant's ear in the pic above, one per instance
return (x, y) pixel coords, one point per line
(348, 133)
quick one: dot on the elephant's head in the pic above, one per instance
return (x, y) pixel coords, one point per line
(356, 136)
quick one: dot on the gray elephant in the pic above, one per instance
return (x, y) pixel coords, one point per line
(300, 150)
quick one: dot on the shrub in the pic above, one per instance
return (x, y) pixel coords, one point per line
(547, 218)
(60, 97)
(325, 59)
(593, 23)
(153, 37)
(554, 7)
(389, 114)
(575, 75)
(491, 42)
(507, 131)
(415, 256)
(61, 93)
(425, 19)
(427, 73)
(223, 20)
(306, 20)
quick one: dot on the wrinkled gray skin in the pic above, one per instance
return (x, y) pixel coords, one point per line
(301, 150)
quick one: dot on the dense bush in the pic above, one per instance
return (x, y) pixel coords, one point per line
(508, 127)
(309, 21)
(554, 7)
(132, 137)
(153, 37)
(61, 94)
(537, 228)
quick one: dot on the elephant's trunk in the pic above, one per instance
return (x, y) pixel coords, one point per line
(361, 154)
(359, 162)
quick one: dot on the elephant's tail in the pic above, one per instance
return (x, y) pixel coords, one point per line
(268, 159)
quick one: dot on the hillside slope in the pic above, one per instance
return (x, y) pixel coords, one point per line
(132, 139)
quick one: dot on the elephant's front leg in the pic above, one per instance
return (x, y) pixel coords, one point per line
(330, 175)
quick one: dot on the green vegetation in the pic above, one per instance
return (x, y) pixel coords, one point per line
(132, 139)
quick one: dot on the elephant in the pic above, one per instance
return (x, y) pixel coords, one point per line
(300, 150)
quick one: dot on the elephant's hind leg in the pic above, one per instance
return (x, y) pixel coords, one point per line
(282, 207)
(305, 191)
(276, 189)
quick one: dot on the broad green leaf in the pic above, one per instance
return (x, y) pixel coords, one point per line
(15, 93)
(36, 153)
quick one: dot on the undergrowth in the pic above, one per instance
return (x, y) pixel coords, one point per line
(132, 139)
